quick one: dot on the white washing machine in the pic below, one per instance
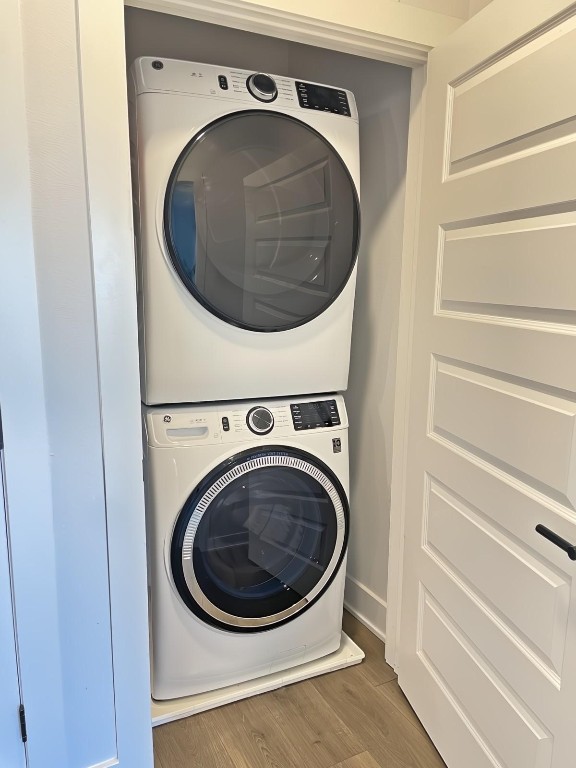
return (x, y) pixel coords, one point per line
(247, 530)
(248, 220)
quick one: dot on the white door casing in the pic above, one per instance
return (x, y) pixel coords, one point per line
(12, 749)
(27, 451)
(385, 30)
(487, 651)
(80, 595)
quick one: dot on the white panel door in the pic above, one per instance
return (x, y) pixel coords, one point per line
(12, 751)
(488, 625)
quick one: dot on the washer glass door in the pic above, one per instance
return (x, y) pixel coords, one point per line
(260, 539)
(261, 220)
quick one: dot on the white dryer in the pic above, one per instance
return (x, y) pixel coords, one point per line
(248, 227)
(248, 524)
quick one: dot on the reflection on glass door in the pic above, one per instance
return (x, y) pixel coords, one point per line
(262, 221)
(261, 540)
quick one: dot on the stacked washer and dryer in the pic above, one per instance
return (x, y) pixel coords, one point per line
(247, 218)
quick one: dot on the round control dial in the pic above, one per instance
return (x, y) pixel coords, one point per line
(260, 420)
(262, 87)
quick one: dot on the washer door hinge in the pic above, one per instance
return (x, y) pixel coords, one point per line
(23, 731)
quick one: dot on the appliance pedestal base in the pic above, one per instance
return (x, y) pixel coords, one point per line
(174, 709)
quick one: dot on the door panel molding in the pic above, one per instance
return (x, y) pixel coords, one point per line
(491, 434)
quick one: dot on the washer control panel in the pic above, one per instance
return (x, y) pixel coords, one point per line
(235, 422)
(318, 413)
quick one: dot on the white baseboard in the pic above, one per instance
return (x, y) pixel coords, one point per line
(368, 607)
(107, 763)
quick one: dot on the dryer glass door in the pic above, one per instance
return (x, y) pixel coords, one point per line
(261, 220)
(260, 539)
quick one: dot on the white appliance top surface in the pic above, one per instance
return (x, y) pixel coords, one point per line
(185, 77)
(190, 425)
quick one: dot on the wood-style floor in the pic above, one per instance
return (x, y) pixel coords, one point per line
(354, 718)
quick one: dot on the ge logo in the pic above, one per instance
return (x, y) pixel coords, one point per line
(167, 419)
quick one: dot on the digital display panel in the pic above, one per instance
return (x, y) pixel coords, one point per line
(311, 96)
(321, 413)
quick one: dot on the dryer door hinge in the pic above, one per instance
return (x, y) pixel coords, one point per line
(23, 731)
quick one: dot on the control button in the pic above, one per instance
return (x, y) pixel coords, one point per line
(223, 82)
(262, 87)
(225, 424)
(260, 420)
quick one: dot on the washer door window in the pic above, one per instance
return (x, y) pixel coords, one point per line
(261, 221)
(260, 540)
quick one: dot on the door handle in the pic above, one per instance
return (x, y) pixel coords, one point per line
(570, 549)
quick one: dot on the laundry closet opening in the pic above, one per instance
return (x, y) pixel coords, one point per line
(382, 94)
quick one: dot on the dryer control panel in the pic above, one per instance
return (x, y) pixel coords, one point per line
(323, 98)
(254, 89)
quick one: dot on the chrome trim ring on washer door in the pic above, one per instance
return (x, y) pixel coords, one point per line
(287, 546)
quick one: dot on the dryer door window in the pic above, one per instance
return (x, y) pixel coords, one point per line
(260, 540)
(261, 221)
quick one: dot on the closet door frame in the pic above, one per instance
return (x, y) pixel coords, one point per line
(107, 181)
(101, 79)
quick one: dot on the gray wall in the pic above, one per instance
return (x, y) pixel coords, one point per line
(383, 93)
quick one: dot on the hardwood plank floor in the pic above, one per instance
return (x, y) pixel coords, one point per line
(364, 760)
(354, 718)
